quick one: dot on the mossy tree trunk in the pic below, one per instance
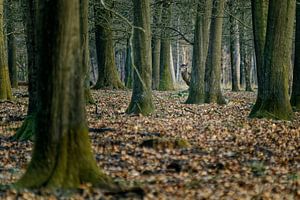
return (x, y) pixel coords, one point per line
(156, 44)
(27, 130)
(141, 100)
(62, 156)
(276, 63)
(213, 92)
(84, 11)
(200, 50)
(259, 21)
(108, 76)
(295, 97)
(165, 76)
(234, 47)
(11, 43)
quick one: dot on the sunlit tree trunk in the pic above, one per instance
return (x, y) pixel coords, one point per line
(108, 76)
(141, 100)
(5, 86)
(62, 156)
(213, 63)
(201, 41)
(165, 76)
(276, 62)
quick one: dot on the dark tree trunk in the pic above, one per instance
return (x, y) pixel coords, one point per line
(165, 76)
(128, 66)
(276, 63)
(62, 156)
(201, 41)
(259, 18)
(11, 43)
(141, 100)
(156, 44)
(26, 131)
(295, 97)
(5, 86)
(108, 76)
(213, 63)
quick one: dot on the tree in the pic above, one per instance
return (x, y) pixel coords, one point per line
(201, 41)
(128, 66)
(259, 18)
(295, 97)
(11, 43)
(62, 156)
(5, 86)
(213, 63)
(26, 131)
(107, 72)
(84, 30)
(276, 61)
(141, 100)
(165, 76)
(234, 47)
(156, 44)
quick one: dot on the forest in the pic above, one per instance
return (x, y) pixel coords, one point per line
(149, 99)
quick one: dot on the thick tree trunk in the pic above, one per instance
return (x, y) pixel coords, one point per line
(5, 86)
(27, 130)
(11, 43)
(259, 18)
(165, 76)
(213, 63)
(201, 41)
(156, 45)
(277, 53)
(295, 97)
(141, 100)
(84, 32)
(62, 156)
(108, 76)
(234, 49)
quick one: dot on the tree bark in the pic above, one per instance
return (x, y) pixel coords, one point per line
(128, 66)
(213, 88)
(295, 97)
(62, 156)
(200, 50)
(141, 100)
(276, 63)
(11, 43)
(259, 18)
(165, 76)
(108, 76)
(5, 85)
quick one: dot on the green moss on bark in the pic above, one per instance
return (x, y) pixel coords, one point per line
(26, 131)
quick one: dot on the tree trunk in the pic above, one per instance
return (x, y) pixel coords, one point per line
(27, 130)
(276, 64)
(11, 43)
(201, 41)
(141, 100)
(84, 32)
(295, 97)
(259, 18)
(5, 86)
(62, 156)
(234, 49)
(165, 76)
(156, 44)
(108, 76)
(128, 66)
(213, 63)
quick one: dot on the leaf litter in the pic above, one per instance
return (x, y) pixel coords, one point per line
(225, 154)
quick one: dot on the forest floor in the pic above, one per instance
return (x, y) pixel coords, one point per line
(229, 156)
